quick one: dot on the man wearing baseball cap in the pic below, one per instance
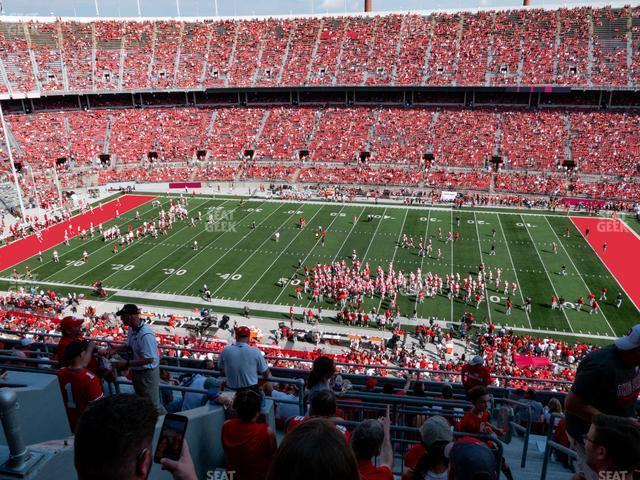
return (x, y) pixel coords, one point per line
(71, 329)
(607, 381)
(472, 461)
(427, 459)
(145, 361)
(242, 363)
(475, 374)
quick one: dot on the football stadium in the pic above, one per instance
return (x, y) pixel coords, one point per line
(339, 239)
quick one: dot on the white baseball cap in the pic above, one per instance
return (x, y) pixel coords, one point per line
(631, 340)
(477, 360)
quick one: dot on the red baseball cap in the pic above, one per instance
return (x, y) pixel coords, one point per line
(371, 383)
(70, 322)
(242, 332)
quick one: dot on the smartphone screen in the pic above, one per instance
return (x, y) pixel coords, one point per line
(171, 437)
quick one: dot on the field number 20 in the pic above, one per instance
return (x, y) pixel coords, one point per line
(120, 266)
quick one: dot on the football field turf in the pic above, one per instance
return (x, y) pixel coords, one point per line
(244, 264)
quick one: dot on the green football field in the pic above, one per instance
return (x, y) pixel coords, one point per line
(244, 264)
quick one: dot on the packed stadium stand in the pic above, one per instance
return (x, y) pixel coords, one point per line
(597, 47)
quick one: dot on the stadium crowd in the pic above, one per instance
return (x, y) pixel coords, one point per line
(450, 445)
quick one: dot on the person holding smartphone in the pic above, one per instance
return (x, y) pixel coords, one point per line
(114, 439)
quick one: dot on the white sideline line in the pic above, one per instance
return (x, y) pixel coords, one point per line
(576, 269)
(607, 266)
(150, 297)
(546, 271)
(513, 265)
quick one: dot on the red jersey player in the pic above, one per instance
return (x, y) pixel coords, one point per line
(78, 385)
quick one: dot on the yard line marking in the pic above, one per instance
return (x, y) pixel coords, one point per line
(308, 255)
(375, 232)
(269, 238)
(513, 265)
(285, 248)
(113, 257)
(424, 246)
(451, 271)
(66, 253)
(344, 242)
(208, 246)
(149, 299)
(546, 271)
(395, 250)
(228, 250)
(486, 290)
(159, 262)
(579, 274)
(232, 248)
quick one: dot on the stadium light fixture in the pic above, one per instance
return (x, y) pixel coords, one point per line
(35, 187)
(13, 167)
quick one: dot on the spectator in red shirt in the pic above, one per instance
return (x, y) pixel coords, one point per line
(71, 329)
(372, 438)
(78, 385)
(475, 374)
(427, 459)
(314, 450)
(477, 419)
(249, 446)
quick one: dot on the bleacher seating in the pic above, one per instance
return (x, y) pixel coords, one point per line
(389, 137)
(510, 47)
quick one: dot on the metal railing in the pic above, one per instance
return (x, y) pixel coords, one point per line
(403, 432)
(272, 358)
(8, 362)
(520, 428)
(553, 445)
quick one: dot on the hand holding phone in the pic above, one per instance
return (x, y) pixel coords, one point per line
(183, 469)
(171, 437)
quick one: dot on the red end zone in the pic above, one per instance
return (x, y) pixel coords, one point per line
(25, 248)
(622, 257)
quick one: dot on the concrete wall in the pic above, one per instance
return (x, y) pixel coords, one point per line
(40, 409)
